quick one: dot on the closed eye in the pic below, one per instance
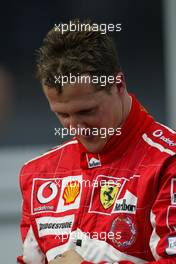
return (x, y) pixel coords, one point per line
(82, 112)
(87, 111)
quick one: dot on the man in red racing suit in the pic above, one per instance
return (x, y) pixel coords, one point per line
(98, 199)
(130, 220)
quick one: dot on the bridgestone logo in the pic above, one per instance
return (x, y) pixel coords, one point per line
(125, 207)
(55, 225)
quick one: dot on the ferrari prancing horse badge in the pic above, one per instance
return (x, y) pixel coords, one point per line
(108, 194)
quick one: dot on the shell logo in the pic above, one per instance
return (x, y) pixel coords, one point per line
(71, 192)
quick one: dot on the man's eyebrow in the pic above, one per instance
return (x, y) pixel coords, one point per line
(60, 113)
(56, 111)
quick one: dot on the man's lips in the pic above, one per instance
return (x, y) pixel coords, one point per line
(87, 136)
(85, 133)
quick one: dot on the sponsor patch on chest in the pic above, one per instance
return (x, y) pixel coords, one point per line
(110, 195)
(56, 194)
(54, 225)
(171, 249)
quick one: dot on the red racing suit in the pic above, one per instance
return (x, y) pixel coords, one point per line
(118, 206)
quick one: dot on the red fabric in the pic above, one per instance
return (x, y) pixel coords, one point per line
(86, 262)
(20, 260)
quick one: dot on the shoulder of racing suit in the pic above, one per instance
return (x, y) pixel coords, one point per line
(161, 141)
(50, 159)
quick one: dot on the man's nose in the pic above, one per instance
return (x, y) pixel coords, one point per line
(75, 122)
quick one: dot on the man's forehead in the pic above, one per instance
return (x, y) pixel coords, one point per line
(73, 101)
(70, 92)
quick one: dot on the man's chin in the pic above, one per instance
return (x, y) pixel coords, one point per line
(94, 144)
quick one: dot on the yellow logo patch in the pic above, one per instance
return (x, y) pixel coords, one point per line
(71, 192)
(108, 194)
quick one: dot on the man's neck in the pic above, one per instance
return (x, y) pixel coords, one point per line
(126, 107)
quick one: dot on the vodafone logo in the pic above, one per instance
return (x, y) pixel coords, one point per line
(159, 133)
(40, 194)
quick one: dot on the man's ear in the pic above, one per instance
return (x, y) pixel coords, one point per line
(120, 82)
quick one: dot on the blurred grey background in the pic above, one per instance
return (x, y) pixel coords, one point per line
(146, 47)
